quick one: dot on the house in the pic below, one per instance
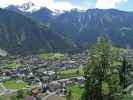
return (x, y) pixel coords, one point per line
(53, 86)
(53, 97)
(29, 98)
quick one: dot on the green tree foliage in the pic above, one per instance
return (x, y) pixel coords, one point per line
(123, 74)
(69, 96)
(99, 72)
(13, 97)
(20, 94)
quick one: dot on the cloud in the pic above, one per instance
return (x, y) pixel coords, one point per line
(62, 5)
(105, 4)
(4, 3)
(65, 6)
(19, 2)
(51, 4)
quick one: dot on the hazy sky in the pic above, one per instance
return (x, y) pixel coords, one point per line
(81, 4)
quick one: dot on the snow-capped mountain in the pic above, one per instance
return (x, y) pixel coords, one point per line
(26, 7)
(30, 7)
(81, 26)
(57, 12)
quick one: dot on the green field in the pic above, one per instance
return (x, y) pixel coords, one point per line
(11, 66)
(76, 92)
(70, 73)
(13, 84)
(52, 56)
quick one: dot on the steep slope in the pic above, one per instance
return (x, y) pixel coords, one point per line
(20, 34)
(43, 15)
(83, 27)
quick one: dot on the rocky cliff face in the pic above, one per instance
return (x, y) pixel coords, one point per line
(83, 27)
(19, 34)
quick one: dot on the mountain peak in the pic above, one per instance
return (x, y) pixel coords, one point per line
(27, 5)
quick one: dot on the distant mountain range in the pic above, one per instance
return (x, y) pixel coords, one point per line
(20, 34)
(32, 28)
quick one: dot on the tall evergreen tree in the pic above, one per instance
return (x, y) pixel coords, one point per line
(69, 95)
(97, 69)
(123, 74)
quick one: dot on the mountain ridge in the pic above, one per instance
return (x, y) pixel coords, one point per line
(19, 34)
(84, 26)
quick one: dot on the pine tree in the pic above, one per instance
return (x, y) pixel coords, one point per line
(69, 96)
(97, 69)
(122, 74)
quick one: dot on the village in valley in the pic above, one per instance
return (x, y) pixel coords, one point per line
(45, 74)
(48, 75)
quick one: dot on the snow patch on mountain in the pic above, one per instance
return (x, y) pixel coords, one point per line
(3, 53)
(28, 7)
